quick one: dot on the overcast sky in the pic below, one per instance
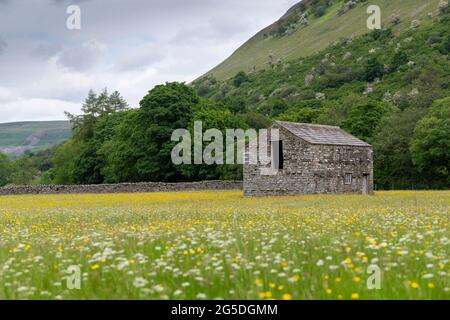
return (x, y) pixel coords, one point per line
(124, 45)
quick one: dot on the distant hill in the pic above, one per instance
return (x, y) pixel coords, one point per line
(18, 137)
(310, 26)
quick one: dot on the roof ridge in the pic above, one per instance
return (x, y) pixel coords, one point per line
(309, 124)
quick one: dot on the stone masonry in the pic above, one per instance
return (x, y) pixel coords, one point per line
(316, 160)
(123, 188)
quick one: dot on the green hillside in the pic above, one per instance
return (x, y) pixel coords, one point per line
(386, 87)
(19, 137)
(290, 38)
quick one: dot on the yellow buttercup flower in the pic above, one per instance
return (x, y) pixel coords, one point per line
(287, 296)
(414, 285)
(265, 295)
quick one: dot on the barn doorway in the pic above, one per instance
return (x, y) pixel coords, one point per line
(365, 184)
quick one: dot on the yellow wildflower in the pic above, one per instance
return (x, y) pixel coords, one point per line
(287, 296)
(355, 296)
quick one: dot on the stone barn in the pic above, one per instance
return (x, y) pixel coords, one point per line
(310, 159)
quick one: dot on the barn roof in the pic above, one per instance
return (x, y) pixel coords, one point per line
(321, 134)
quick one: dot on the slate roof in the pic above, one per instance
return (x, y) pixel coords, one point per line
(321, 134)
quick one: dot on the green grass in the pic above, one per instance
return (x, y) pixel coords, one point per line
(320, 33)
(220, 245)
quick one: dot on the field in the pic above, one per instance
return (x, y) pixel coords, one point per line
(218, 245)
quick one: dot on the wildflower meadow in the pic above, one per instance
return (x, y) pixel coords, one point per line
(219, 245)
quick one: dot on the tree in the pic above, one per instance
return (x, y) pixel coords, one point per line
(304, 115)
(394, 167)
(430, 147)
(94, 107)
(240, 78)
(399, 59)
(363, 120)
(141, 148)
(374, 70)
(319, 11)
(5, 169)
(101, 114)
(445, 48)
(214, 117)
(256, 120)
(273, 107)
(23, 171)
(64, 162)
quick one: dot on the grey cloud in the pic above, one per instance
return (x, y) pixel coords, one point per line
(138, 44)
(3, 45)
(67, 2)
(82, 58)
(45, 50)
(139, 59)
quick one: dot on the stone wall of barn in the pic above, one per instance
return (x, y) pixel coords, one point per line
(311, 169)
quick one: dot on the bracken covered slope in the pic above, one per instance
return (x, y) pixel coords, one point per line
(293, 37)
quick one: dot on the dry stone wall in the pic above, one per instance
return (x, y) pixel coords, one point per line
(123, 188)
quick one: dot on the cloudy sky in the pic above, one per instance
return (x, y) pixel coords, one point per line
(124, 45)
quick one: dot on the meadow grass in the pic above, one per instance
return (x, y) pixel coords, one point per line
(219, 245)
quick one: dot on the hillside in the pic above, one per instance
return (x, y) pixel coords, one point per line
(386, 87)
(19, 137)
(293, 37)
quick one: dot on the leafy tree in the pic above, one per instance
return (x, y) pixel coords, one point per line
(90, 131)
(445, 48)
(64, 162)
(213, 117)
(319, 11)
(381, 34)
(400, 58)
(374, 69)
(256, 120)
(240, 78)
(93, 108)
(120, 156)
(394, 167)
(143, 141)
(235, 104)
(274, 106)
(430, 147)
(23, 171)
(363, 120)
(5, 169)
(305, 115)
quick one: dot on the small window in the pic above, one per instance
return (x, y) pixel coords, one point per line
(348, 178)
(277, 155)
